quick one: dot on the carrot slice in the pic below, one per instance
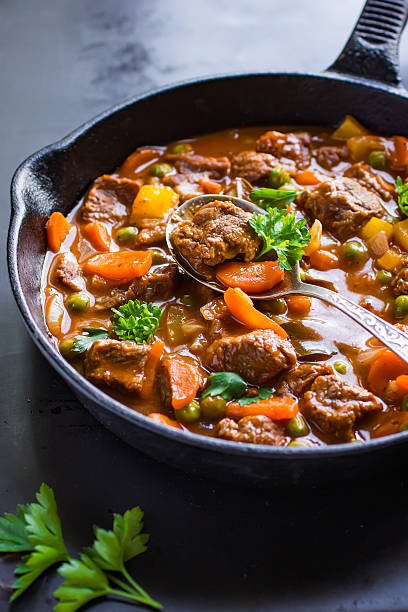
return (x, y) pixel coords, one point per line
(388, 366)
(98, 236)
(253, 277)
(323, 260)
(58, 228)
(276, 408)
(307, 177)
(184, 382)
(399, 157)
(210, 186)
(120, 267)
(241, 307)
(151, 368)
(299, 304)
(164, 420)
(402, 382)
(316, 236)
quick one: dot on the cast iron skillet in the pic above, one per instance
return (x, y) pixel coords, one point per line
(364, 81)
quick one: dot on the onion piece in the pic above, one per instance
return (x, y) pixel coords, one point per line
(378, 244)
(54, 313)
(365, 358)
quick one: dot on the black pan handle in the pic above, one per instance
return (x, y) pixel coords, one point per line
(372, 49)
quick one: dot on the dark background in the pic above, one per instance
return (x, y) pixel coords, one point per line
(213, 547)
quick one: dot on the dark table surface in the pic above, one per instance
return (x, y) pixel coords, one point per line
(213, 546)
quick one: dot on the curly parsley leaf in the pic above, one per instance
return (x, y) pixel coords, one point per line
(83, 342)
(402, 191)
(277, 198)
(227, 384)
(13, 532)
(283, 234)
(136, 321)
(262, 394)
(84, 581)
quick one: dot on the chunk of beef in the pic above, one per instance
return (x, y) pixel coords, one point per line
(187, 163)
(152, 231)
(253, 429)
(252, 165)
(257, 356)
(335, 406)
(114, 298)
(109, 199)
(300, 378)
(330, 156)
(117, 364)
(399, 283)
(218, 231)
(342, 205)
(367, 178)
(186, 368)
(68, 273)
(287, 146)
(155, 284)
(186, 185)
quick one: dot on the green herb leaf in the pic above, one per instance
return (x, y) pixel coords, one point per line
(84, 581)
(44, 532)
(136, 321)
(283, 234)
(84, 342)
(277, 198)
(227, 384)
(262, 394)
(13, 532)
(402, 191)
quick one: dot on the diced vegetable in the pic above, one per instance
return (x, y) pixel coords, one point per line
(307, 177)
(153, 360)
(276, 306)
(252, 277)
(316, 234)
(297, 427)
(241, 307)
(399, 156)
(176, 316)
(58, 228)
(164, 420)
(378, 244)
(182, 147)
(98, 236)
(384, 277)
(184, 382)
(66, 347)
(323, 260)
(153, 202)
(340, 367)
(387, 366)
(401, 306)
(120, 267)
(189, 414)
(400, 234)
(278, 177)
(77, 302)
(354, 252)
(375, 225)
(127, 235)
(390, 260)
(402, 383)
(210, 186)
(361, 146)
(276, 408)
(54, 313)
(377, 160)
(299, 304)
(213, 407)
(350, 127)
(161, 170)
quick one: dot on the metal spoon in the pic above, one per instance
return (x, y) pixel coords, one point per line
(389, 335)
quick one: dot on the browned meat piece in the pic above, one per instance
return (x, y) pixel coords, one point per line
(115, 298)
(342, 205)
(152, 231)
(257, 356)
(186, 185)
(253, 429)
(287, 146)
(109, 199)
(252, 165)
(68, 273)
(335, 406)
(118, 364)
(155, 284)
(300, 378)
(191, 371)
(371, 181)
(187, 163)
(218, 231)
(399, 283)
(328, 157)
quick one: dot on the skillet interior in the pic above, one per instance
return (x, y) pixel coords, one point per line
(55, 177)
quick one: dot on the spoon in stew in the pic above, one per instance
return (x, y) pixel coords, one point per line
(292, 284)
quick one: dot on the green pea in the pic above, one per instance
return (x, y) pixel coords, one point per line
(188, 414)
(355, 252)
(303, 443)
(276, 306)
(78, 302)
(340, 367)
(126, 234)
(161, 170)
(384, 277)
(182, 147)
(213, 407)
(377, 160)
(401, 306)
(65, 347)
(188, 300)
(297, 427)
(404, 404)
(278, 177)
(159, 257)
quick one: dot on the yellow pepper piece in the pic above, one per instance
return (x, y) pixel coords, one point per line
(401, 234)
(153, 202)
(389, 261)
(350, 127)
(376, 225)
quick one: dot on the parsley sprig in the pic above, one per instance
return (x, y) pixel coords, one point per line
(227, 384)
(262, 394)
(402, 192)
(83, 342)
(276, 198)
(283, 234)
(136, 321)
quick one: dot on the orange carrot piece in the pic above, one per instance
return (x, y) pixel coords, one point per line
(316, 236)
(323, 260)
(402, 382)
(151, 368)
(299, 304)
(399, 157)
(98, 236)
(120, 267)
(58, 229)
(253, 277)
(241, 307)
(307, 177)
(276, 408)
(184, 382)
(164, 420)
(388, 366)
(210, 186)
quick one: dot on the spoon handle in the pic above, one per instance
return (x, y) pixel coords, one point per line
(388, 334)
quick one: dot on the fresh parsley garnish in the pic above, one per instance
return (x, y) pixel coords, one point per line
(281, 233)
(276, 198)
(83, 342)
(402, 191)
(13, 532)
(136, 321)
(262, 394)
(227, 384)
